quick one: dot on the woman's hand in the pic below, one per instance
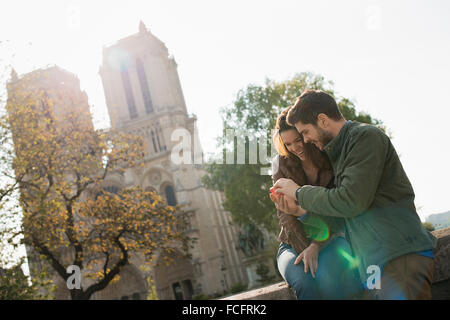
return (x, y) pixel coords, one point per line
(310, 258)
(286, 186)
(287, 205)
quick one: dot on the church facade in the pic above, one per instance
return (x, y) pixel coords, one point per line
(144, 97)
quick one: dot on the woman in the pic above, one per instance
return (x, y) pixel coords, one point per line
(313, 254)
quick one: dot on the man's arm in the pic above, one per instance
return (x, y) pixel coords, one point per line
(364, 166)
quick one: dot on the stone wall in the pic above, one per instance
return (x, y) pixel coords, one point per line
(440, 288)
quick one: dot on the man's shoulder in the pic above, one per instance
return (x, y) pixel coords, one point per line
(358, 130)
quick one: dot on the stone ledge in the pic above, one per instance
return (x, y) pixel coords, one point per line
(440, 288)
(277, 291)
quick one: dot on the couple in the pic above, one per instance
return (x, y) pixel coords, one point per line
(346, 209)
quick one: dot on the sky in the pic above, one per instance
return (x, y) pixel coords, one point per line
(390, 57)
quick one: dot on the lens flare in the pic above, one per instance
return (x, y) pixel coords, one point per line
(316, 228)
(353, 262)
(119, 59)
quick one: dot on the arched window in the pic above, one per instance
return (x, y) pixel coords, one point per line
(162, 139)
(111, 189)
(154, 142)
(157, 138)
(136, 296)
(128, 92)
(150, 189)
(188, 288)
(144, 86)
(107, 189)
(170, 196)
(177, 291)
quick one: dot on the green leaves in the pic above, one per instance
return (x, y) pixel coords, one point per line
(14, 284)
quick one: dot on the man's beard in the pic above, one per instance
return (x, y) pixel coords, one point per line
(324, 137)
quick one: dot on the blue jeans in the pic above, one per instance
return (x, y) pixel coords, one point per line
(334, 277)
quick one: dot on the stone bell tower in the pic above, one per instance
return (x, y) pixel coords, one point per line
(144, 97)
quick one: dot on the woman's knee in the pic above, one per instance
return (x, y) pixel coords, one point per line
(302, 283)
(305, 286)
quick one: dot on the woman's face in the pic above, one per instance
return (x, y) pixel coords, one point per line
(293, 142)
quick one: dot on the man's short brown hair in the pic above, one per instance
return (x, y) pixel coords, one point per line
(310, 104)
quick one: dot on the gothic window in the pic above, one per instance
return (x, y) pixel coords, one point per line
(164, 148)
(108, 189)
(46, 112)
(128, 92)
(170, 196)
(144, 86)
(154, 142)
(188, 288)
(136, 296)
(150, 189)
(177, 291)
(111, 189)
(157, 138)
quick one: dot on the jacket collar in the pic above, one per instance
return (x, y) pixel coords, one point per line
(334, 147)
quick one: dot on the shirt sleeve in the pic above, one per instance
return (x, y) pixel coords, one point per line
(363, 168)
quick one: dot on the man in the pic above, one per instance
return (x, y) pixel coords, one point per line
(373, 195)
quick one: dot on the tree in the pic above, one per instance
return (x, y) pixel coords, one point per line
(238, 287)
(253, 115)
(263, 271)
(14, 284)
(60, 164)
(428, 226)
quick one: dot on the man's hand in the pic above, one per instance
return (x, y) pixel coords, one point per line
(286, 186)
(287, 205)
(310, 258)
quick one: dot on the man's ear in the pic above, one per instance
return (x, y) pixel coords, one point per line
(323, 121)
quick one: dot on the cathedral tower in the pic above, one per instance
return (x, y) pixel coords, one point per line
(144, 97)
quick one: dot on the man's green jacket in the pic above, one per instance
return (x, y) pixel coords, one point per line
(372, 194)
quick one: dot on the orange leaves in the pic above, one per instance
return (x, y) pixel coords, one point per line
(64, 163)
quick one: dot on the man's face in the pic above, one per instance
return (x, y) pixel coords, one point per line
(314, 134)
